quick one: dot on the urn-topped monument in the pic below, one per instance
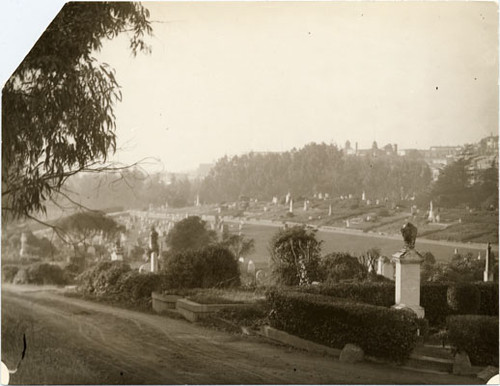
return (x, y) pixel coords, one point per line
(408, 262)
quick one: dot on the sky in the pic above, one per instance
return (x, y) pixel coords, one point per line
(229, 78)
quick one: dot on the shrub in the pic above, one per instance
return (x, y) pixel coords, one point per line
(336, 267)
(381, 332)
(182, 269)
(477, 335)
(295, 256)
(134, 285)
(9, 272)
(44, 273)
(219, 267)
(463, 299)
(212, 266)
(101, 279)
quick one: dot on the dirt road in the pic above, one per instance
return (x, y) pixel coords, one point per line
(86, 342)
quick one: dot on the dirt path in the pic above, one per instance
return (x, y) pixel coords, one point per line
(122, 346)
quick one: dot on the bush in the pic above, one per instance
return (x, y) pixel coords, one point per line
(212, 266)
(463, 299)
(44, 273)
(9, 272)
(101, 279)
(136, 286)
(381, 332)
(336, 267)
(477, 335)
(295, 256)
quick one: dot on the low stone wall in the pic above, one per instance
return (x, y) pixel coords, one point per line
(194, 311)
(164, 302)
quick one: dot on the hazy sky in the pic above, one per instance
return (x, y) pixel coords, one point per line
(228, 78)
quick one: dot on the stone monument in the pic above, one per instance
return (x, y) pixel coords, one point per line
(24, 239)
(154, 249)
(431, 217)
(408, 262)
(488, 265)
(291, 206)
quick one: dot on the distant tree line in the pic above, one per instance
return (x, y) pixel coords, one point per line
(315, 168)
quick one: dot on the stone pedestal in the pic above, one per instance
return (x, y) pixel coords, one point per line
(408, 280)
(154, 262)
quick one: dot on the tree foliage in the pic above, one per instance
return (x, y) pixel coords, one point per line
(57, 107)
(81, 227)
(315, 168)
(190, 233)
(460, 184)
(337, 266)
(239, 245)
(295, 256)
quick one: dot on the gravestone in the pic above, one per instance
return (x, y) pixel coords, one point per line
(461, 364)
(363, 196)
(330, 210)
(408, 262)
(291, 206)
(287, 198)
(251, 267)
(385, 267)
(154, 248)
(431, 217)
(24, 239)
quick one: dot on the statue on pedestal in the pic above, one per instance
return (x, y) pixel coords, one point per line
(409, 232)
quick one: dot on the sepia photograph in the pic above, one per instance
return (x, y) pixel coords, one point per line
(250, 192)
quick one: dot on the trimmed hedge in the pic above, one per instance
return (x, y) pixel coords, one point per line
(379, 331)
(463, 299)
(433, 296)
(489, 298)
(477, 335)
(378, 294)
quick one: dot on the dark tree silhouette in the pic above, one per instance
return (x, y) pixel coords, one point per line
(57, 107)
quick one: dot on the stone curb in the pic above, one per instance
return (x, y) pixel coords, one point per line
(415, 362)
